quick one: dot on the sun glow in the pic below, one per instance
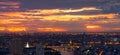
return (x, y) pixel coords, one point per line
(16, 29)
(51, 30)
(8, 22)
(92, 27)
(2, 28)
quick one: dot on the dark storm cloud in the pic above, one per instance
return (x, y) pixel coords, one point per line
(111, 6)
(9, 5)
(108, 6)
(46, 4)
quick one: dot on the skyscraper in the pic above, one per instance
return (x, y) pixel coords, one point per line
(39, 50)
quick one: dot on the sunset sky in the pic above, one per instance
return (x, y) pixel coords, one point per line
(60, 15)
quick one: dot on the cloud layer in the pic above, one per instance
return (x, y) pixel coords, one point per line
(59, 15)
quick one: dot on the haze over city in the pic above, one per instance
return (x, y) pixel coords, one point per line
(59, 27)
(60, 15)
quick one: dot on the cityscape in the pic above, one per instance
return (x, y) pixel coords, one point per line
(61, 43)
(59, 27)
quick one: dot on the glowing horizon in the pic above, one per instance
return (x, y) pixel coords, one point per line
(50, 16)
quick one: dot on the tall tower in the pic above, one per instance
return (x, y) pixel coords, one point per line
(71, 42)
(83, 39)
(27, 45)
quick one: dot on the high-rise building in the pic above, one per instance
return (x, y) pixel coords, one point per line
(39, 50)
(83, 40)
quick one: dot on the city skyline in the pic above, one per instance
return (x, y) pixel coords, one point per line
(60, 15)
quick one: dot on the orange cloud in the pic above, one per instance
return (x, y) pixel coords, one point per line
(16, 29)
(67, 17)
(76, 17)
(106, 15)
(51, 30)
(2, 28)
(92, 27)
(116, 28)
(8, 22)
(96, 28)
(60, 18)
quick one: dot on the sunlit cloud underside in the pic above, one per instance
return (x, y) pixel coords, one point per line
(15, 18)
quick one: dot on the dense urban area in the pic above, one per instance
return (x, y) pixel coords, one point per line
(63, 43)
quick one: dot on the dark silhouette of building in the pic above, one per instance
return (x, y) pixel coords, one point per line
(49, 51)
(15, 46)
(4, 51)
